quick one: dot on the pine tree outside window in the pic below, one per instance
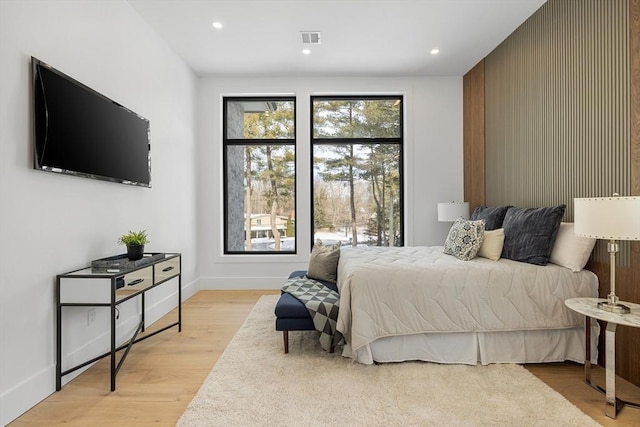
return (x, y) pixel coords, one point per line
(259, 175)
(357, 187)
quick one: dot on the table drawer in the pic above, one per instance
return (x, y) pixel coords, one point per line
(136, 281)
(81, 290)
(166, 269)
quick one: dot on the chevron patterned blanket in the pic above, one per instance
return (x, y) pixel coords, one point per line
(323, 305)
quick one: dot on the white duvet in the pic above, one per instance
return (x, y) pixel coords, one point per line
(408, 290)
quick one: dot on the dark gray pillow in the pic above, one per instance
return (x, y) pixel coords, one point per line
(529, 233)
(492, 216)
(323, 263)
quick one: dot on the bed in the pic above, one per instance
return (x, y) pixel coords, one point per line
(418, 303)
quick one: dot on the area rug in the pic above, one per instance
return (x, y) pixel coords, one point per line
(255, 384)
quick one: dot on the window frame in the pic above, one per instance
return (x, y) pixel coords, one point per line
(227, 142)
(313, 141)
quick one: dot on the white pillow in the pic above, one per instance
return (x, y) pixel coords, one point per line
(492, 244)
(569, 250)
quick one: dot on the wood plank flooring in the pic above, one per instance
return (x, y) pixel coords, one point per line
(162, 374)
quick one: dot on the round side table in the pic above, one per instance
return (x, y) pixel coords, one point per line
(589, 307)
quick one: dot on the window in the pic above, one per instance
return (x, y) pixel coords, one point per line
(259, 175)
(357, 170)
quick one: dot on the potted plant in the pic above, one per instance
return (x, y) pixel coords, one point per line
(134, 241)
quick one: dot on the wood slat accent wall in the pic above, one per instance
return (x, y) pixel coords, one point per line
(557, 106)
(473, 131)
(561, 113)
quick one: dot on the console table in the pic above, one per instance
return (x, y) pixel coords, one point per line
(589, 307)
(109, 287)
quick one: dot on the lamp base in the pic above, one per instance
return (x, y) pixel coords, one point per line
(613, 308)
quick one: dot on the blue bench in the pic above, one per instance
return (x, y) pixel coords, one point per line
(292, 315)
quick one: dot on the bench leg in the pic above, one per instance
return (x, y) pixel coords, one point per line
(285, 335)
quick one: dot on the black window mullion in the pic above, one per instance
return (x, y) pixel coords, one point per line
(254, 142)
(360, 141)
(337, 141)
(258, 142)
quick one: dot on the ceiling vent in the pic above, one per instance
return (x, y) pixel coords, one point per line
(310, 37)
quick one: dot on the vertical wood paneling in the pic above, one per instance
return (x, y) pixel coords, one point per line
(557, 106)
(562, 120)
(557, 114)
(630, 367)
(473, 141)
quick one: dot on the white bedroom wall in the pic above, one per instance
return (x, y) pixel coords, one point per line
(433, 166)
(49, 223)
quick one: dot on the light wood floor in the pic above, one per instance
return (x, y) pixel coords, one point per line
(162, 374)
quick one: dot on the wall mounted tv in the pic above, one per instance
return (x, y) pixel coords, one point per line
(78, 131)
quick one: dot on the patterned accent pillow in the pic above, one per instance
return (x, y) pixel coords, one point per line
(464, 239)
(323, 262)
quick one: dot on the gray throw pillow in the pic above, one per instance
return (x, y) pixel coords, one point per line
(323, 263)
(464, 239)
(492, 216)
(529, 233)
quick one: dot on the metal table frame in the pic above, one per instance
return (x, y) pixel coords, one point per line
(115, 364)
(588, 307)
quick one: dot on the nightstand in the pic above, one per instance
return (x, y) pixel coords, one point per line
(589, 307)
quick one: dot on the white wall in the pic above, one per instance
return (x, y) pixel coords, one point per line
(49, 223)
(433, 166)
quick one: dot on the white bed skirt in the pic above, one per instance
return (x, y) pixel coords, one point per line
(471, 348)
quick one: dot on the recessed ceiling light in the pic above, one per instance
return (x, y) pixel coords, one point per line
(306, 51)
(217, 25)
(435, 51)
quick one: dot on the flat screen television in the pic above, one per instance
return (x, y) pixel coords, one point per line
(78, 131)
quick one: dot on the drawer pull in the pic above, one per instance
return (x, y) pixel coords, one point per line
(135, 282)
(168, 268)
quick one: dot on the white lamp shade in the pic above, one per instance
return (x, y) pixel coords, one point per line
(612, 218)
(449, 212)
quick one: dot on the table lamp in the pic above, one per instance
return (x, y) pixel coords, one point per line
(611, 218)
(449, 212)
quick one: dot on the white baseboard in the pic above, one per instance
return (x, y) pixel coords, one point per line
(190, 289)
(19, 399)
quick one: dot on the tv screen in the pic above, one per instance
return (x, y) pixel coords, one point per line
(78, 131)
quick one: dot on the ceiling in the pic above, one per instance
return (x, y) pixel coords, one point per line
(358, 37)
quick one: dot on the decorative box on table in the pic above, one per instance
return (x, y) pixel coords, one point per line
(122, 262)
